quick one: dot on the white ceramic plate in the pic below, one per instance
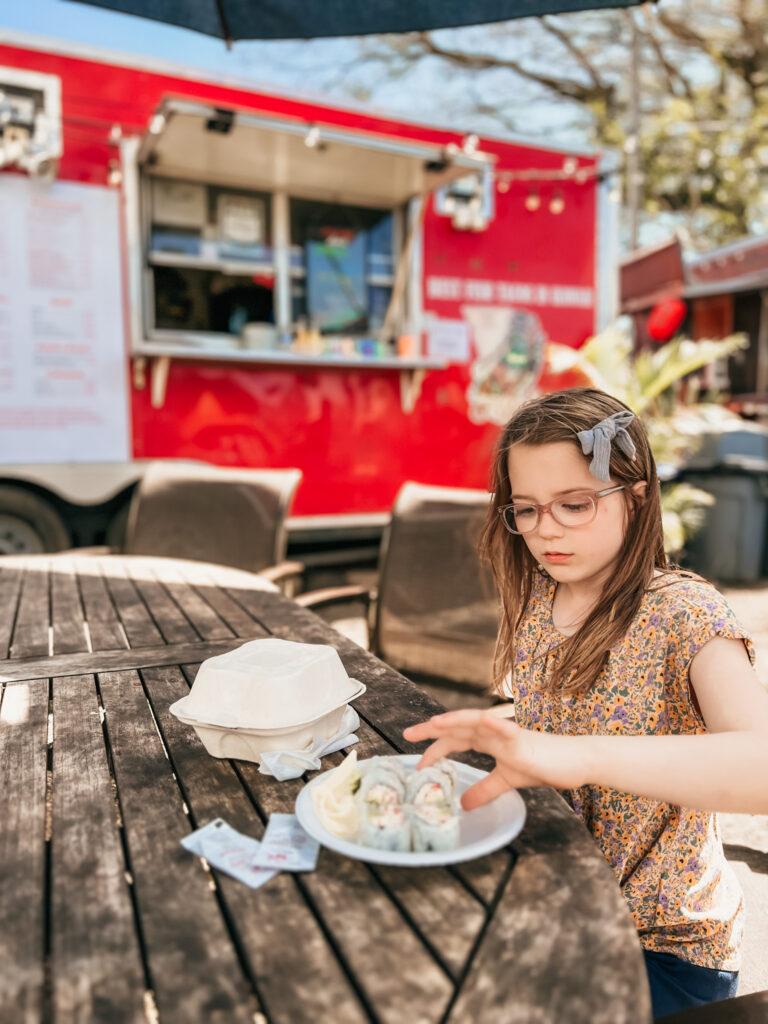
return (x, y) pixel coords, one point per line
(482, 831)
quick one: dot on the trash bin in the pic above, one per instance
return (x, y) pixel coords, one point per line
(732, 466)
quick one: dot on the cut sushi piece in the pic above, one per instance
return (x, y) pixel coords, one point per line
(433, 785)
(383, 782)
(434, 827)
(385, 827)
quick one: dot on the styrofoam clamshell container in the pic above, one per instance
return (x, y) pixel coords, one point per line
(269, 694)
(249, 744)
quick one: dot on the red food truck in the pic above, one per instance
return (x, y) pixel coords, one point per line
(197, 269)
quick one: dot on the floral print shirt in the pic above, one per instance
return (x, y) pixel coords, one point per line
(669, 860)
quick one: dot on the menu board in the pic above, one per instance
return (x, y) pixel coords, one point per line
(336, 286)
(63, 386)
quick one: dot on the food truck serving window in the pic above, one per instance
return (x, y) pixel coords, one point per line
(211, 258)
(342, 266)
(267, 234)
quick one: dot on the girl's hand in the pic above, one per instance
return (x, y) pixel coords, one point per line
(513, 748)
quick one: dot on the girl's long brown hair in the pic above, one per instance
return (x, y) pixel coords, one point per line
(550, 419)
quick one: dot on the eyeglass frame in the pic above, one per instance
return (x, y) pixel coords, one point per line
(541, 509)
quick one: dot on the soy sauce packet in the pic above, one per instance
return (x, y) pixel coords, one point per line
(285, 846)
(229, 851)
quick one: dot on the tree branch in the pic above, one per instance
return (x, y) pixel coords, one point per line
(579, 56)
(673, 75)
(482, 62)
(683, 32)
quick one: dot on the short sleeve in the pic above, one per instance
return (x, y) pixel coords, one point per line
(700, 613)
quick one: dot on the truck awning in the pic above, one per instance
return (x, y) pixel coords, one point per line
(202, 143)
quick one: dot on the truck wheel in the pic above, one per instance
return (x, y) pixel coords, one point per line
(29, 525)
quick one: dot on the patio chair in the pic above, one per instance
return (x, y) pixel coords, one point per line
(225, 515)
(434, 615)
(749, 1009)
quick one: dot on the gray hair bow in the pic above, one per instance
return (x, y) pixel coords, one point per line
(597, 442)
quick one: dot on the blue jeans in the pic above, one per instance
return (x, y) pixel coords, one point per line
(677, 985)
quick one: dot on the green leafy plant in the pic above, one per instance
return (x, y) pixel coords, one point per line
(648, 382)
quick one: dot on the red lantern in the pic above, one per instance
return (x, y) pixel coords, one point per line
(666, 318)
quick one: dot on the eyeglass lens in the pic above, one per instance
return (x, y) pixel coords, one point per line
(571, 510)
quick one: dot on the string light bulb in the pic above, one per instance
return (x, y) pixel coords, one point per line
(557, 203)
(114, 174)
(532, 201)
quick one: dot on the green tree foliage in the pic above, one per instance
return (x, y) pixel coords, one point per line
(647, 381)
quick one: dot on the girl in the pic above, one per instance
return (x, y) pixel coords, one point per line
(632, 683)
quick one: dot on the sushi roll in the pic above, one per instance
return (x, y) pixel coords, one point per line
(434, 785)
(383, 782)
(434, 827)
(386, 827)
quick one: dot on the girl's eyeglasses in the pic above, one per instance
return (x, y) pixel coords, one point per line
(575, 509)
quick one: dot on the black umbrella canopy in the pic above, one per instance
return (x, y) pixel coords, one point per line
(310, 19)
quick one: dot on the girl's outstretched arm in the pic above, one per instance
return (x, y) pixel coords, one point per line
(725, 769)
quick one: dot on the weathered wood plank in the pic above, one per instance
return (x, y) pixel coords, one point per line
(391, 966)
(23, 752)
(225, 602)
(193, 965)
(294, 964)
(10, 589)
(187, 596)
(30, 633)
(139, 628)
(67, 619)
(113, 661)
(104, 625)
(168, 617)
(96, 962)
(561, 909)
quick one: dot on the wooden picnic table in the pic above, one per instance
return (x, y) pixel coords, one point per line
(105, 917)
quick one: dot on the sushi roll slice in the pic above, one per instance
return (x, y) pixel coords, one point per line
(382, 783)
(434, 827)
(434, 785)
(386, 827)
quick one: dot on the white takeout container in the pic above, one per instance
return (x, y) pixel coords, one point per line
(249, 744)
(267, 695)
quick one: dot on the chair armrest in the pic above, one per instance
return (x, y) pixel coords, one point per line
(287, 576)
(328, 596)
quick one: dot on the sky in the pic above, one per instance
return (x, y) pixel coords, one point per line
(281, 62)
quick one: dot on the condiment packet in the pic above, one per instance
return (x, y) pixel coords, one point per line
(228, 851)
(286, 846)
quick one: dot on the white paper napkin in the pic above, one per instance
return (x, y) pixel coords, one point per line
(291, 764)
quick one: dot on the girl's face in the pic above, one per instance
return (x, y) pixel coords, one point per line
(577, 554)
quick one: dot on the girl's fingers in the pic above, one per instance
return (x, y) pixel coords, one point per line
(422, 731)
(484, 791)
(443, 747)
(451, 721)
